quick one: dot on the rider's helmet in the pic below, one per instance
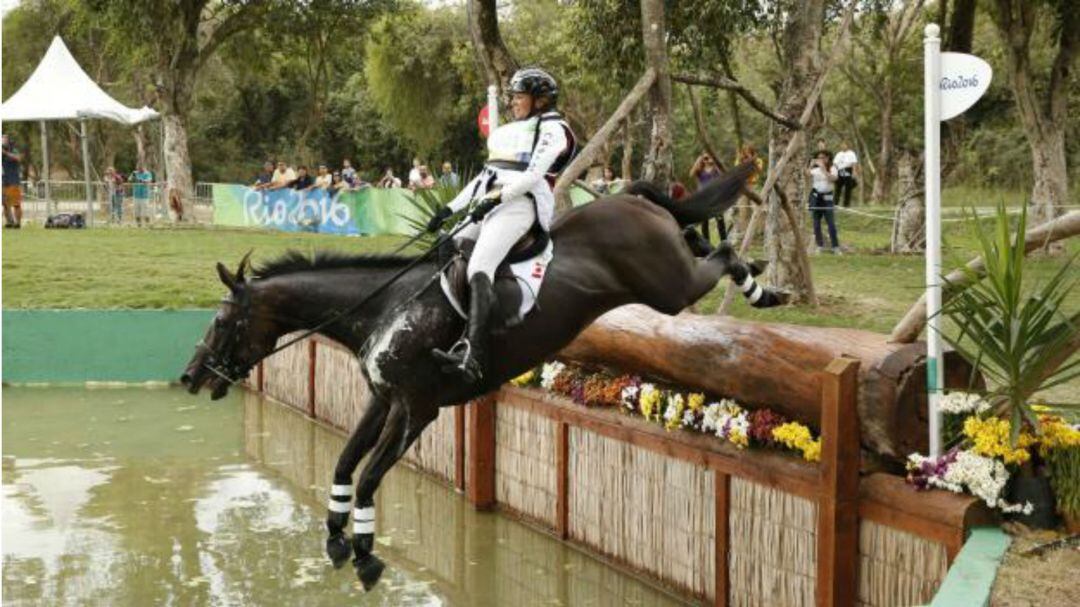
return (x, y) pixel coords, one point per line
(536, 82)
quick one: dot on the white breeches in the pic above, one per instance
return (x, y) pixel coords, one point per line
(496, 235)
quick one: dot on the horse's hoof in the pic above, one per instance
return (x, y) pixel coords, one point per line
(757, 266)
(337, 548)
(369, 570)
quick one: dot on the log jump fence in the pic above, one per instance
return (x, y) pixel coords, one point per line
(694, 514)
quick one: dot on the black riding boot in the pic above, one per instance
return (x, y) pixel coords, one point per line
(469, 355)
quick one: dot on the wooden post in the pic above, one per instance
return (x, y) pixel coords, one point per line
(721, 490)
(260, 375)
(562, 464)
(838, 506)
(311, 378)
(481, 452)
(459, 448)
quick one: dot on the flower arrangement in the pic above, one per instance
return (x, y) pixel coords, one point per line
(986, 453)
(674, 409)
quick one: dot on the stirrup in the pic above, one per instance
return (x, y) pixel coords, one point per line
(458, 359)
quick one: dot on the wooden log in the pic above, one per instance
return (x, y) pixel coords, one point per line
(774, 365)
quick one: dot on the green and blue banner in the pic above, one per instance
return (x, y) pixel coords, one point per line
(353, 212)
(366, 211)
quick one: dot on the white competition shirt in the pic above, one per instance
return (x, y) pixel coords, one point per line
(846, 159)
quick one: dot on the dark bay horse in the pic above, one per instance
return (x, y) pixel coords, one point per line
(626, 248)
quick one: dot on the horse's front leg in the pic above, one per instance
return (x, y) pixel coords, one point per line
(402, 428)
(337, 516)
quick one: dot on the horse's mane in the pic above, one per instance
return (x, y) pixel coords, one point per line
(293, 261)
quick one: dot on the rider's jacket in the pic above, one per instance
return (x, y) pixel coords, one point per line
(524, 158)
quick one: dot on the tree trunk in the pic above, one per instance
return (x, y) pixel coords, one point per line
(802, 39)
(178, 162)
(961, 27)
(628, 149)
(883, 178)
(774, 365)
(140, 145)
(499, 64)
(1044, 114)
(909, 235)
(659, 160)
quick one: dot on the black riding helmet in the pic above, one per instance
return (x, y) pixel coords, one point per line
(535, 82)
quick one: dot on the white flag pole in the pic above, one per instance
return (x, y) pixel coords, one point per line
(935, 366)
(493, 108)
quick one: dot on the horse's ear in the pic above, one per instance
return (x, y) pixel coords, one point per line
(244, 264)
(226, 276)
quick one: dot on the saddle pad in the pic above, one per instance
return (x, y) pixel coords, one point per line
(528, 275)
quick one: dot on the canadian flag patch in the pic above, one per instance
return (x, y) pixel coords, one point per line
(538, 270)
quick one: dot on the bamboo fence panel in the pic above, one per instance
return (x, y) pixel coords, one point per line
(286, 374)
(773, 550)
(525, 466)
(288, 444)
(898, 568)
(433, 451)
(341, 393)
(652, 512)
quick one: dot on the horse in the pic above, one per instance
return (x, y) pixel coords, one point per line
(631, 247)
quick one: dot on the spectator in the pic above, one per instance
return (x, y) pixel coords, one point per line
(388, 180)
(114, 188)
(338, 183)
(823, 177)
(748, 152)
(847, 169)
(820, 148)
(142, 179)
(323, 179)
(283, 176)
(303, 181)
(449, 177)
(12, 184)
(414, 174)
(426, 182)
(265, 177)
(677, 191)
(704, 171)
(348, 173)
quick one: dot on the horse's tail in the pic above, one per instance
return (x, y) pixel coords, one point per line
(712, 200)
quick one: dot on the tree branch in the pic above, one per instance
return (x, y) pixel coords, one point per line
(731, 85)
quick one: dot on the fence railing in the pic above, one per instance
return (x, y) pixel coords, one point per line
(41, 199)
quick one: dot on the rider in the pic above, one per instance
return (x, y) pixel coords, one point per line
(524, 157)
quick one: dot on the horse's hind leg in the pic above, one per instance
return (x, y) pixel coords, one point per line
(403, 426)
(337, 515)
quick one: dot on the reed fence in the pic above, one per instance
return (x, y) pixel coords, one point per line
(717, 524)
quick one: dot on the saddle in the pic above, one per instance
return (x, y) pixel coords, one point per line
(517, 279)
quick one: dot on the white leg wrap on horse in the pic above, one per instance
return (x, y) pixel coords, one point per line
(338, 507)
(364, 520)
(345, 490)
(751, 289)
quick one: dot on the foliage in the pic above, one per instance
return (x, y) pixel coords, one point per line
(1065, 478)
(1013, 333)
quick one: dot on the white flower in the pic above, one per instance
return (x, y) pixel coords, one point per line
(674, 403)
(630, 397)
(549, 373)
(982, 477)
(688, 419)
(711, 418)
(963, 402)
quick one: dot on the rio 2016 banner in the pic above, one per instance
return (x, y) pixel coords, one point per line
(366, 211)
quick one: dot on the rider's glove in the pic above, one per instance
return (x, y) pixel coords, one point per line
(437, 220)
(487, 202)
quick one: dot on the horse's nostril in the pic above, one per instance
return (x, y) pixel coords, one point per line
(185, 379)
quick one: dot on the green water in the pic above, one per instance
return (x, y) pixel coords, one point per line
(153, 497)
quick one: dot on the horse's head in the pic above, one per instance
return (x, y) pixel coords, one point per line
(240, 335)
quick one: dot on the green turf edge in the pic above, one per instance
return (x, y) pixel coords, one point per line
(971, 577)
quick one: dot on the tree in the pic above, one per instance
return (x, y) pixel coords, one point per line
(178, 38)
(659, 162)
(1044, 113)
(499, 65)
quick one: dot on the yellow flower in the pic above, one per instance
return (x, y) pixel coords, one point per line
(739, 438)
(1056, 434)
(796, 436)
(673, 415)
(650, 401)
(696, 402)
(990, 438)
(525, 378)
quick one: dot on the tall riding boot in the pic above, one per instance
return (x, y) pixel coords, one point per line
(469, 355)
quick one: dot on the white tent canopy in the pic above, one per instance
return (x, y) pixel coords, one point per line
(60, 90)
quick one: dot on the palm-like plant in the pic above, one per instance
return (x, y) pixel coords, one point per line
(1019, 337)
(425, 203)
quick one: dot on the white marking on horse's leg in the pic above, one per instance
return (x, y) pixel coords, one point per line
(364, 520)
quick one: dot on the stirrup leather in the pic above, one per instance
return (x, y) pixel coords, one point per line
(459, 359)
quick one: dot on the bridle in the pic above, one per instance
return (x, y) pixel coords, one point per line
(224, 365)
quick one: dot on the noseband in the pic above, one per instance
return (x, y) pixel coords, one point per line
(223, 364)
